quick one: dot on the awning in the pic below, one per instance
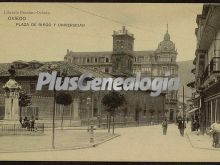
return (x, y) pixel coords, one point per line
(193, 110)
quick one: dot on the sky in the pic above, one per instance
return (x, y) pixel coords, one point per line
(148, 23)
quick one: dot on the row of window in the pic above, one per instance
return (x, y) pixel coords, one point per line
(89, 59)
(157, 58)
(162, 70)
(107, 59)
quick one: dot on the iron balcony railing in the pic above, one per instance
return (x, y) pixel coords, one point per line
(213, 67)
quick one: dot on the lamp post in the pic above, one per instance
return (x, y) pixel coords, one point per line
(50, 69)
(54, 109)
(88, 103)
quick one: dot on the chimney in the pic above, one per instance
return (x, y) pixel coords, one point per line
(68, 51)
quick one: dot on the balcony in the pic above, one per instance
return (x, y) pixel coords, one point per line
(212, 68)
(215, 65)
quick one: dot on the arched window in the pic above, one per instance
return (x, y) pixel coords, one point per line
(107, 60)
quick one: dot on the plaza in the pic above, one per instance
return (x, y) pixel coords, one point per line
(146, 143)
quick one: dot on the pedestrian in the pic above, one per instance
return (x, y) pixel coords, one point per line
(181, 127)
(187, 120)
(32, 122)
(197, 125)
(26, 122)
(215, 130)
(36, 124)
(164, 126)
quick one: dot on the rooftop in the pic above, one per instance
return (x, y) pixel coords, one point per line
(106, 53)
(72, 69)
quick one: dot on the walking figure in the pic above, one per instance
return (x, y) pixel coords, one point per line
(215, 130)
(164, 126)
(32, 122)
(187, 120)
(181, 127)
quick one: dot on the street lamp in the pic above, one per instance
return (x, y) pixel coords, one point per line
(88, 103)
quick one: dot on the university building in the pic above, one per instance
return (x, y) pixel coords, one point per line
(206, 96)
(123, 60)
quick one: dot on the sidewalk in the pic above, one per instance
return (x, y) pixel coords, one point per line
(200, 141)
(64, 140)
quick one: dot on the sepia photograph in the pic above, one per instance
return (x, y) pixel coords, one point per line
(133, 82)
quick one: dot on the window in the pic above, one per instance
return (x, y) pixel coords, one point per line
(106, 60)
(84, 59)
(96, 60)
(172, 70)
(140, 59)
(87, 60)
(101, 59)
(106, 70)
(146, 69)
(163, 69)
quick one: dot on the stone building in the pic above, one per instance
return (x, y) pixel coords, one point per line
(207, 66)
(137, 108)
(123, 60)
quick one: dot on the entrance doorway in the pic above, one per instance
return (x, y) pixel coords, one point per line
(171, 115)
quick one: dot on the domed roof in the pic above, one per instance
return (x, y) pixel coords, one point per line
(166, 45)
(12, 84)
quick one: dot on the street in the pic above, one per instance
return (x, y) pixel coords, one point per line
(135, 144)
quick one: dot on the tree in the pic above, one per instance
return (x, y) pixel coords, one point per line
(112, 101)
(63, 99)
(24, 101)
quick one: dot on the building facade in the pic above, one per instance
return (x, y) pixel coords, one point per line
(137, 108)
(124, 60)
(207, 66)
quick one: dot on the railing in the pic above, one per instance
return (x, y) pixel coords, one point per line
(17, 129)
(213, 67)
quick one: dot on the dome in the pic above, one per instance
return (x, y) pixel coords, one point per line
(12, 84)
(166, 45)
(167, 37)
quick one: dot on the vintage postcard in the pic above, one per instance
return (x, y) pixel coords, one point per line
(110, 82)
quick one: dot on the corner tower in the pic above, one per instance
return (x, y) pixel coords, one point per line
(166, 51)
(122, 56)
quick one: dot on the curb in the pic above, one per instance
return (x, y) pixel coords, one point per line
(64, 149)
(203, 148)
(116, 135)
